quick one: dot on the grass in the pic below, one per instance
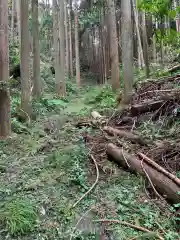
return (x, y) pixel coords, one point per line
(70, 162)
(18, 216)
(45, 170)
(101, 97)
(129, 199)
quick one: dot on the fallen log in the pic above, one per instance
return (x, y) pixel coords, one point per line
(160, 169)
(126, 134)
(168, 96)
(98, 119)
(126, 120)
(95, 115)
(147, 106)
(164, 185)
(174, 69)
(159, 91)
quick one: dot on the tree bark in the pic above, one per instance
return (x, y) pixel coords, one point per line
(114, 56)
(154, 49)
(147, 106)
(159, 168)
(126, 134)
(24, 52)
(78, 77)
(177, 4)
(12, 20)
(5, 126)
(168, 188)
(18, 11)
(56, 47)
(145, 46)
(61, 86)
(127, 50)
(70, 40)
(36, 50)
(140, 49)
(66, 37)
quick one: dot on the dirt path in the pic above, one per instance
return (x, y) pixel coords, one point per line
(44, 173)
(76, 106)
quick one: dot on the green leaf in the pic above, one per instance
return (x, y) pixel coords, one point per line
(172, 14)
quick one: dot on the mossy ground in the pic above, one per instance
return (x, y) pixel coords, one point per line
(45, 170)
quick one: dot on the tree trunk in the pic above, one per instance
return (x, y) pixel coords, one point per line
(62, 84)
(12, 20)
(177, 4)
(114, 56)
(154, 50)
(78, 78)
(18, 11)
(145, 45)
(66, 37)
(70, 40)
(5, 126)
(104, 39)
(140, 50)
(36, 50)
(166, 186)
(161, 41)
(56, 46)
(127, 50)
(24, 52)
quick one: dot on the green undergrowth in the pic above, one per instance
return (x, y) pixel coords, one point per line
(70, 162)
(45, 170)
(121, 197)
(101, 97)
(18, 216)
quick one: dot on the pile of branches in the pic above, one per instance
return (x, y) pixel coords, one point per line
(156, 159)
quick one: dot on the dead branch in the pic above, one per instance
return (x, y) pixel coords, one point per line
(147, 106)
(128, 135)
(159, 168)
(164, 185)
(94, 184)
(151, 183)
(145, 236)
(160, 91)
(139, 228)
(174, 69)
(81, 218)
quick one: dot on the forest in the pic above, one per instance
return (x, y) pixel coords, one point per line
(89, 119)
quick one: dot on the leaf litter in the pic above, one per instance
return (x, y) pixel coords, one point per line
(42, 171)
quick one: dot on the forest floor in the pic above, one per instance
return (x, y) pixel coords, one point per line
(47, 166)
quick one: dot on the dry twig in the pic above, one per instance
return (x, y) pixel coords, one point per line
(94, 184)
(149, 179)
(159, 168)
(81, 218)
(139, 228)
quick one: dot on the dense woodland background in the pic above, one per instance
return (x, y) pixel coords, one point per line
(62, 63)
(99, 38)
